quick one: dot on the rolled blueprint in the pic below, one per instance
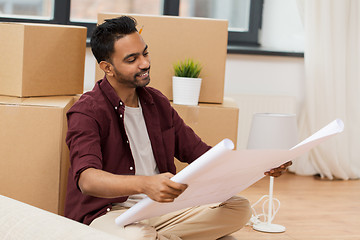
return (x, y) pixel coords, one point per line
(221, 173)
(149, 208)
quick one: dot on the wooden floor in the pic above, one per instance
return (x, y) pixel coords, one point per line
(310, 209)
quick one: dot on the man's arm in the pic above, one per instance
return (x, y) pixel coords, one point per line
(160, 188)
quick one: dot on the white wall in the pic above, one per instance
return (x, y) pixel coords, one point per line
(271, 75)
(89, 78)
(265, 75)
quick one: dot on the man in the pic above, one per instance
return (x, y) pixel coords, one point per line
(123, 137)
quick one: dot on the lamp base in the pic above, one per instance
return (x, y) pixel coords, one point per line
(269, 227)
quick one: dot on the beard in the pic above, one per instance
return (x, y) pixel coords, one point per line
(140, 79)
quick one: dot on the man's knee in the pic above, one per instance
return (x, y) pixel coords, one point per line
(240, 208)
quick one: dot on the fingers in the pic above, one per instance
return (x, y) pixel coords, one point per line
(168, 194)
(167, 174)
(177, 187)
(287, 164)
(276, 172)
(171, 190)
(163, 189)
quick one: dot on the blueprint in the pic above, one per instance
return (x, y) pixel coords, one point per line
(223, 172)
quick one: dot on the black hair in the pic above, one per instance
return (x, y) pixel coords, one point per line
(104, 36)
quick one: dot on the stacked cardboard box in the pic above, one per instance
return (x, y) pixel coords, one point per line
(41, 69)
(171, 39)
(41, 60)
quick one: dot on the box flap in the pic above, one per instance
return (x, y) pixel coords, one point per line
(57, 101)
(227, 103)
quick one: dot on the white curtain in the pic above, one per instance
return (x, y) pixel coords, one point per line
(332, 86)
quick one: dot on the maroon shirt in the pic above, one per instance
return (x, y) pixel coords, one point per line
(96, 138)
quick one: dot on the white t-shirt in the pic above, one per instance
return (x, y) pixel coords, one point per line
(141, 149)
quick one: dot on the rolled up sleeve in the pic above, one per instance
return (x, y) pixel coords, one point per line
(83, 140)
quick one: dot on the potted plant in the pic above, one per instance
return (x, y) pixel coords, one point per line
(186, 82)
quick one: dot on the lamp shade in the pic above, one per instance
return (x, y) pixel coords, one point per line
(273, 131)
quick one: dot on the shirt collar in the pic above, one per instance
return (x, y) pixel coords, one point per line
(109, 92)
(144, 96)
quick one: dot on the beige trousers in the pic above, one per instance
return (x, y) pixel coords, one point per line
(203, 222)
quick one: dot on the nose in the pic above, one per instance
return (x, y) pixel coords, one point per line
(145, 62)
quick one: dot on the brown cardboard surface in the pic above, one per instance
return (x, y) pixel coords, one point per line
(11, 63)
(41, 59)
(171, 39)
(34, 158)
(212, 122)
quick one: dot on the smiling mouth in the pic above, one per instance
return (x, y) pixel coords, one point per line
(144, 74)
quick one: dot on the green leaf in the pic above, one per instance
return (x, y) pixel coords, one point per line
(187, 68)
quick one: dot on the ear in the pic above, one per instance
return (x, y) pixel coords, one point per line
(107, 68)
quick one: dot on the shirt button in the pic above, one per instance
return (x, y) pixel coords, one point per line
(108, 209)
(127, 142)
(121, 103)
(115, 108)
(131, 168)
(121, 115)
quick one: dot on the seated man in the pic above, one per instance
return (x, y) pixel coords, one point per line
(123, 137)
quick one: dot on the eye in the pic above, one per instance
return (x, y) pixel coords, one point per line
(130, 60)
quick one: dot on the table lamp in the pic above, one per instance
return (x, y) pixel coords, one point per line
(272, 131)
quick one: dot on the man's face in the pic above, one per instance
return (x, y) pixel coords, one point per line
(131, 61)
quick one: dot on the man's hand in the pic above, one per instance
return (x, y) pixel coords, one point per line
(161, 189)
(277, 172)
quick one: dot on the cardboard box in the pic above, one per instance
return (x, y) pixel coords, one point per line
(41, 59)
(171, 39)
(212, 122)
(34, 158)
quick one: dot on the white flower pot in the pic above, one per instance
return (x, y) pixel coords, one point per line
(186, 91)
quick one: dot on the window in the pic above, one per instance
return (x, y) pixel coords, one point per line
(235, 11)
(34, 9)
(86, 10)
(244, 16)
